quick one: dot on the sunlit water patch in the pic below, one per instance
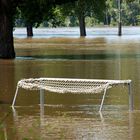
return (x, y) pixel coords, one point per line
(107, 32)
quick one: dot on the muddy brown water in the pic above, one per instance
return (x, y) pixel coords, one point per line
(71, 116)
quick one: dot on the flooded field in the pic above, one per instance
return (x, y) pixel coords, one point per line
(71, 116)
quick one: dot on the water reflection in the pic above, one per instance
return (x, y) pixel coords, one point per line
(7, 81)
(65, 126)
(3, 134)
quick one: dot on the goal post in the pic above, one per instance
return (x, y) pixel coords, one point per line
(71, 85)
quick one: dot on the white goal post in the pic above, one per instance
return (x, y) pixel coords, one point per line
(71, 85)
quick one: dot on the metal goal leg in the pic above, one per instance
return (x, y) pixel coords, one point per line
(130, 97)
(42, 91)
(14, 100)
(42, 101)
(101, 106)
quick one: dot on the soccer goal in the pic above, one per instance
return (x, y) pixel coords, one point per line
(69, 85)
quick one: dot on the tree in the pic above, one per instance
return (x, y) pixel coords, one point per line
(131, 14)
(32, 14)
(7, 12)
(83, 8)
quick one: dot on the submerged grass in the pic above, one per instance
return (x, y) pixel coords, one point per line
(59, 40)
(73, 44)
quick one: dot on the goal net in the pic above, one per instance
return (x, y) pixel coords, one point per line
(69, 85)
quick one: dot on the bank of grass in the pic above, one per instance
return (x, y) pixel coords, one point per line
(55, 42)
(77, 45)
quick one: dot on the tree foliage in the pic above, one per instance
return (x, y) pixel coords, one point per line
(31, 12)
(85, 7)
(130, 11)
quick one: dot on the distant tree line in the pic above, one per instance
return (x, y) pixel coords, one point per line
(130, 12)
(66, 17)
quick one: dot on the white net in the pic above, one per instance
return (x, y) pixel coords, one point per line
(66, 85)
(63, 85)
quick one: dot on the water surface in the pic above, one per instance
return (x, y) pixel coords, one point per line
(71, 116)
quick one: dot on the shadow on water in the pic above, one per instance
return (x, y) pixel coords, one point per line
(80, 57)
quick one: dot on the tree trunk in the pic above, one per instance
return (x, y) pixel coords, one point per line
(82, 25)
(120, 20)
(6, 30)
(29, 30)
(107, 19)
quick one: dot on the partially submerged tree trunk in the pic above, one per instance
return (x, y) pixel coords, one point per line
(120, 20)
(6, 30)
(29, 30)
(107, 19)
(82, 25)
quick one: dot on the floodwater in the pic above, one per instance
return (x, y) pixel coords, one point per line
(71, 116)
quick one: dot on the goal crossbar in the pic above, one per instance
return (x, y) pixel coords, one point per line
(71, 85)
